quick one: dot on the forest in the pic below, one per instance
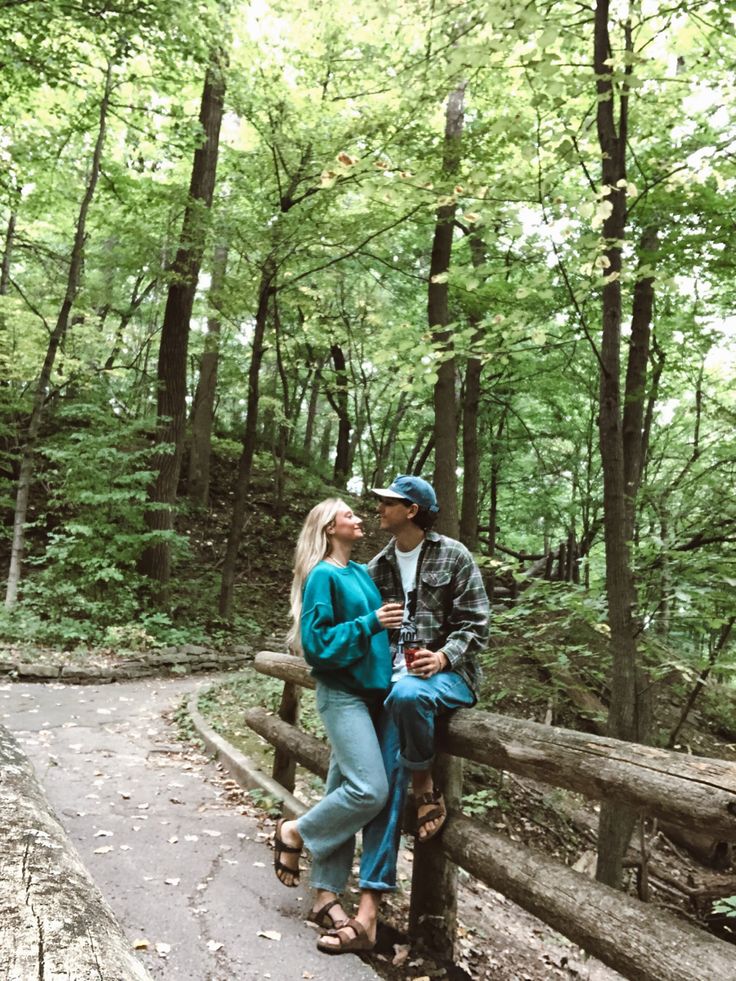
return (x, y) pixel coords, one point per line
(257, 253)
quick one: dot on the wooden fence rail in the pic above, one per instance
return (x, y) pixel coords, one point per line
(634, 938)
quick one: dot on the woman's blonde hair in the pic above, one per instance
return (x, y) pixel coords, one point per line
(312, 546)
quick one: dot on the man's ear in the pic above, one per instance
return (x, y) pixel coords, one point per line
(414, 509)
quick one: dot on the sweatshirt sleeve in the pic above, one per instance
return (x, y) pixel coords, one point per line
(326, 643)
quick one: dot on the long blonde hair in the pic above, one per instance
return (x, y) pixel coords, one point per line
(312, 546)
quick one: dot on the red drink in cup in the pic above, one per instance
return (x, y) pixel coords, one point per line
(411, 649)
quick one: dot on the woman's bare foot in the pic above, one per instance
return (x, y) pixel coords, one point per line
(287, 849)
(350, 938)
(327, 911)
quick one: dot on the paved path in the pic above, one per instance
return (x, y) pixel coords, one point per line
(183, 866)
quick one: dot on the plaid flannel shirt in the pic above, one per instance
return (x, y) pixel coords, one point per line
(452, 611)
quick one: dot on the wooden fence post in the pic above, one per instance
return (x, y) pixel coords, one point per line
(284, 764)
(433, 907)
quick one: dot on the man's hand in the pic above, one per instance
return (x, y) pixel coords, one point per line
(426, 663)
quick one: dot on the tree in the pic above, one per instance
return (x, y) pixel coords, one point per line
(172, 355)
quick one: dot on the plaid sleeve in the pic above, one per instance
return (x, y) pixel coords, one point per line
(468, 620)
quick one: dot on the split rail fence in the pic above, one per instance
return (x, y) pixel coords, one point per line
(634, 938)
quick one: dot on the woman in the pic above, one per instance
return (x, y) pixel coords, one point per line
(340, 626)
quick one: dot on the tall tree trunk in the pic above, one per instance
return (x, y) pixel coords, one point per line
(445, 409)
(245, 465)
(172, 356)
(203, 413)
(616, 821)
(74, 277)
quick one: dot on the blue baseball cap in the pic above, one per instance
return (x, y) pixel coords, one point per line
(406, 487)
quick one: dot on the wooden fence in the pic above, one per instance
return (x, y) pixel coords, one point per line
(636, 939)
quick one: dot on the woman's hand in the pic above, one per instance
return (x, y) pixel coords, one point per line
(390, 615)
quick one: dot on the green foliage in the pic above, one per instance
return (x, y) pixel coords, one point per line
(96, 473)
(726, 906)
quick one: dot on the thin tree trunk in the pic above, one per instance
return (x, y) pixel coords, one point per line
(135, 302)
(245, 465)
(471, 404)
(76, 264)
(172, 356)
(716, 650)
(471, 456)
(203, 413)
(314, 391)
(7, 254)
(445, 407)
(616, 821)
(339, 402)
(636, 375)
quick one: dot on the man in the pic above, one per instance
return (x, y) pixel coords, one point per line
(445, 625)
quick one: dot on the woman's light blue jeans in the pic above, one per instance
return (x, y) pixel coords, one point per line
(356, 789)
(406, 729)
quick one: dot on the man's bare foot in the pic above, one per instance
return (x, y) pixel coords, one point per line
(428, 828)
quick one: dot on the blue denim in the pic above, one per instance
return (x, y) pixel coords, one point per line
(356, 788)
(406, 733)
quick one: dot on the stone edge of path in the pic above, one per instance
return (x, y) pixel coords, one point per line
(47, 930)
(242, 769)
(168, 661)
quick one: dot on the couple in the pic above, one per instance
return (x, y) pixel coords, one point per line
(379, 714)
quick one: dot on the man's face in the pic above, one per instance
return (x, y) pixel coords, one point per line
(394, 514)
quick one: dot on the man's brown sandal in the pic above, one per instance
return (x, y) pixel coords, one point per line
(281, 848)
(438, 813)
(321, 917)
(348, 942)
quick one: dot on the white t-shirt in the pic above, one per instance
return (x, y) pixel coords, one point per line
(407, 562)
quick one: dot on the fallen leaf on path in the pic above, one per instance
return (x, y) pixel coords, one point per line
(172, 882)
(164, 949)
(104, 850)
(214, 945)
(259, 865)
(269, 934)
(306, 974)
(401, 952)
(172, 840)
(125, 848)
(104, 834)
(191, 837)
(140, 944)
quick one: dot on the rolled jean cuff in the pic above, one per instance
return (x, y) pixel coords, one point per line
(376, 886)
(413, 765)
(325, 886)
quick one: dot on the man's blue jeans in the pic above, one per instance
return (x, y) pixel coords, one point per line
(406, 732)
(356, 789)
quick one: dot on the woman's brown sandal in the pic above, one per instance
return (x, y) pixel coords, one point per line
(347, 942)
(321, 917)
(438, 813)
(281, 848)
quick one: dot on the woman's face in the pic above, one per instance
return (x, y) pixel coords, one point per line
(347, 527)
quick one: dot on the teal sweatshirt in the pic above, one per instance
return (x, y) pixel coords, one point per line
(342, 638)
